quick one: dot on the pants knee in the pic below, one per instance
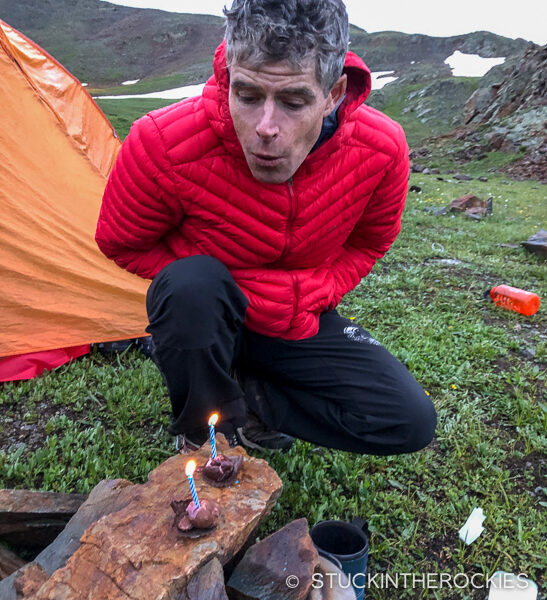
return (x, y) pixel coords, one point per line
(192, 296)
(196, 278)
(422, 421)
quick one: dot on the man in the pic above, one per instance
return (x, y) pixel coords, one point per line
(254, 209)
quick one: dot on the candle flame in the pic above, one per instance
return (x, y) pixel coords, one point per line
(213, 419)
(190, 468)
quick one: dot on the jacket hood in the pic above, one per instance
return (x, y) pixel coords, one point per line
(215, 96)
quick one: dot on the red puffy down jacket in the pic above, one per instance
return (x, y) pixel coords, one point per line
(181, 186)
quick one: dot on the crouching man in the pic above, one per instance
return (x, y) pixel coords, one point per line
(254, 208)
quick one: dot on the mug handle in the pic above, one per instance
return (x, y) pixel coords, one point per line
(360, 523)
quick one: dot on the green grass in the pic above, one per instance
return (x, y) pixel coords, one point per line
(122, 113)
(198, 74)
(407, 104)
(483, 366)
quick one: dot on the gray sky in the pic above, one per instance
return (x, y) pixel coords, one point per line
(521, 18)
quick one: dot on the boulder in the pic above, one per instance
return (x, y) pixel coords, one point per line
(537, 243)
(34, 519)
(466, 202)
(208, 583)
(28, 581)
(279, 567)
(472, 206)
(106, 497)
(137, 552)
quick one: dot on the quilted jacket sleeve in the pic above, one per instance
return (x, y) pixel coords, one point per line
(377, 228)
(140, 204)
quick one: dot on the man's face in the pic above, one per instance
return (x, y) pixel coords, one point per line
(278, 111)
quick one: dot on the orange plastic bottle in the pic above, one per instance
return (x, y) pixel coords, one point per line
(523, 302)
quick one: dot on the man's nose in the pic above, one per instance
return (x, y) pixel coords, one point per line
(268, 128)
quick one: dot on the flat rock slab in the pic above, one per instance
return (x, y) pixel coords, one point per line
(136, 552)
(29, 518)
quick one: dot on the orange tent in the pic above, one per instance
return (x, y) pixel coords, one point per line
(56, 151)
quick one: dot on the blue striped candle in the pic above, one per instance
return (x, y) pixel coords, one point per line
(190, 468)
(212, 422)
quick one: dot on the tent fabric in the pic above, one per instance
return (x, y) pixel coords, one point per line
(28, 366)
(56, 151)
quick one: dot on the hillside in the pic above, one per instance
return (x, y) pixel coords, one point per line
(104, 44)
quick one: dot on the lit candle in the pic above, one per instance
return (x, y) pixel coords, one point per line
(212, 422)
(190, 468)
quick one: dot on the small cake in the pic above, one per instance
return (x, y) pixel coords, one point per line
(221, 471)
(192, 521)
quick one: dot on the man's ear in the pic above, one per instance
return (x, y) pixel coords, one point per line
(336, 94)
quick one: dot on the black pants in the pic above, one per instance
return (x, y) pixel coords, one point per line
(339, 388)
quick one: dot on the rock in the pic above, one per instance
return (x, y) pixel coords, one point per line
(28, 581)
(208, 583)
(446, 261)
(463, 203)
(537, 243)
(481, 178)
(106, 497)
(136, 553)
(478, 102)
(522, 87)
(34, 519)
(463, 177)
(472, 206)
(476, 213)
(263, 571)
(435, 171)
(417, 168)
(426, 171)
(415, 188)
(9, 562)
(437, 211)
(528, 353)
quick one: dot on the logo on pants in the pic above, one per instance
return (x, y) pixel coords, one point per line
(360, 335)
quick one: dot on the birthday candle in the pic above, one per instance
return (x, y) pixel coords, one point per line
(212, 422)
(190, 467)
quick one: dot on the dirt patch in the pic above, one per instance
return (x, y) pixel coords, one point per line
(532, 469)
(26, 424)
(533, 166)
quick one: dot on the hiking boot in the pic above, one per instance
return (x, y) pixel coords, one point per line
(257, 436)
(185, 444)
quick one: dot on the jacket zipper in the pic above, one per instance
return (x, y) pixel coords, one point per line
(292, 210)
(290, 218)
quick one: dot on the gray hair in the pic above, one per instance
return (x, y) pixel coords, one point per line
(262, 31)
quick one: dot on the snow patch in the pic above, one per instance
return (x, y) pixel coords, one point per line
(130, 81)
(471, 65)
(187, 91)
(381, 78)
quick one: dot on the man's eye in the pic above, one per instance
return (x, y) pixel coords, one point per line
(246, 99)
(293, 105)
